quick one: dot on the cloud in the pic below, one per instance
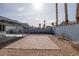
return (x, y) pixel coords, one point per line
(21, 9)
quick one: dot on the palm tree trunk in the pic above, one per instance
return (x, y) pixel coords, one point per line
(66, 13)
(77, 13)
(56, 14)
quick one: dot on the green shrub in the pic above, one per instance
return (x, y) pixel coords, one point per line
(63, 36)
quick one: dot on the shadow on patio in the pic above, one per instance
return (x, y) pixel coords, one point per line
(2, 45)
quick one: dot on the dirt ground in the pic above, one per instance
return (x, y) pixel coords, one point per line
(65, 48)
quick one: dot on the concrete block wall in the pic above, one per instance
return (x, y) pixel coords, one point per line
(70, 31)
(40, 30)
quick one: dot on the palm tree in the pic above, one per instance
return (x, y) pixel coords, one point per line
(52, 23)
(39, 25)
(44, 25)
(66, 13)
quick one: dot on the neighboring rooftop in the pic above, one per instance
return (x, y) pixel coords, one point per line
(11, 21)
(5, 19)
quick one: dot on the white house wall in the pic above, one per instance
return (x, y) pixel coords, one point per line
(10, 27)
(15, 28)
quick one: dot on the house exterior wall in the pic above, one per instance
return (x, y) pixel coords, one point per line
(15, 29)
(3, 33)
(10, 25)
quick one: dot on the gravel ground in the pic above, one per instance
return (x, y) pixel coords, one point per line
(65, 49)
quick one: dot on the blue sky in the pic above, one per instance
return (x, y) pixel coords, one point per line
(35, 14)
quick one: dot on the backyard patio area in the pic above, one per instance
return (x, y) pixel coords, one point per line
(34, 42)
(39, 44)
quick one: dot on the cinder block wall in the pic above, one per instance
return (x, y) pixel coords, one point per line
(70, 31)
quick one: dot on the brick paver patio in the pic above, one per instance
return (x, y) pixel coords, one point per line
(38, 45)
(34, 42)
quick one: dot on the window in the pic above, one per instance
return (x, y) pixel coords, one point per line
(2, 27)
